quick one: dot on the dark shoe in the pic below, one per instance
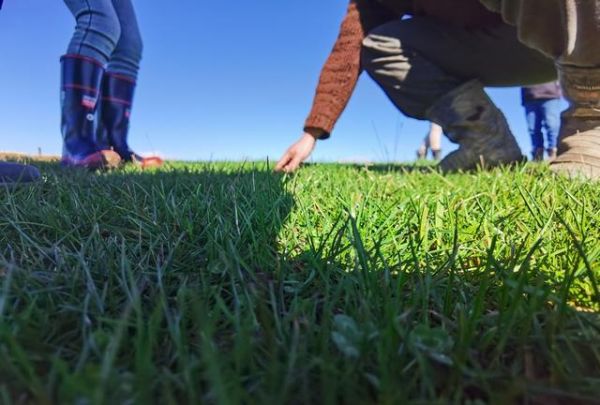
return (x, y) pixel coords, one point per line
(81, 77)
(115, 113)
(579, 142)
(538, 155)
(470, 118)
(15, 173)
(437, 155)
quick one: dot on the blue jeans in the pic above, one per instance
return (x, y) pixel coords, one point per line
(543, 115)
(107, 31)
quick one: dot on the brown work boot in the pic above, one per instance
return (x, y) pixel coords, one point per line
(579, 141)
(470, 118)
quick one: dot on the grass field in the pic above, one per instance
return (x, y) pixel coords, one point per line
(225, 283)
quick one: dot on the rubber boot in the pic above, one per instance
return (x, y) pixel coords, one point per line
(80, 90)
(579, 140)
(470, 118)
(538, 155)
(15, 173)
(115, 113)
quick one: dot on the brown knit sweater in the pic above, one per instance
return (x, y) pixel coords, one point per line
(342, 69)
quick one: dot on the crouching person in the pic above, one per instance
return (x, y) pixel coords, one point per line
(99, 74)
(568, 32)
(433, 66)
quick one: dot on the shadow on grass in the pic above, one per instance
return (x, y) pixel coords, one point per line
(144, 286)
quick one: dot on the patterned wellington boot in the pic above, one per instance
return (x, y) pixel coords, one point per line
(115, 112)
(80, 89)
(579, 141)
(470, 119)
(15, 173)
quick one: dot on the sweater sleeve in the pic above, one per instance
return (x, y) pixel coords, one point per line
(342, 68)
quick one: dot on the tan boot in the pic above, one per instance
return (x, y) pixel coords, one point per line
(579, 141)
(470, 118)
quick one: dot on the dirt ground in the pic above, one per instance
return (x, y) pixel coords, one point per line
(15, 156)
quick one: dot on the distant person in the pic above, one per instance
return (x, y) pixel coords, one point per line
(11, 173)
(99, 74)
(433, 142)
(542, 105)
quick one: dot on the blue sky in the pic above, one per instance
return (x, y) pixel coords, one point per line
(219, 80)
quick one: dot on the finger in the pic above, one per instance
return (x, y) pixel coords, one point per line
(294, 164)
(283, 162)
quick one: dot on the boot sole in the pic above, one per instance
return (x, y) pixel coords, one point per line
(461, 161)
(105, 159)
(150, 162)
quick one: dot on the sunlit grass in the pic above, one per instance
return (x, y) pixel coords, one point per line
(225, 283)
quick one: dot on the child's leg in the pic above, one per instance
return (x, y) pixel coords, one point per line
(422, 151)
(551, 110)
(435, 139)
(119, 84)
(97, 32)
(534, 127)
(126, 57)
(97, 29)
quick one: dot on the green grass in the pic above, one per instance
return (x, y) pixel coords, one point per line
(225, 283)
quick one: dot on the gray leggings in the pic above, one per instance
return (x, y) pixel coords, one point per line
(107, 31)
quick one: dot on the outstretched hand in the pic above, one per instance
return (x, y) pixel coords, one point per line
(296, 154)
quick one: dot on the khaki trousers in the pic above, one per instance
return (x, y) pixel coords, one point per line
(566, 30)
(419, 60)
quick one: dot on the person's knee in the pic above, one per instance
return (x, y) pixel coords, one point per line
(103, 21)
(113, 29)
(132, 44)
